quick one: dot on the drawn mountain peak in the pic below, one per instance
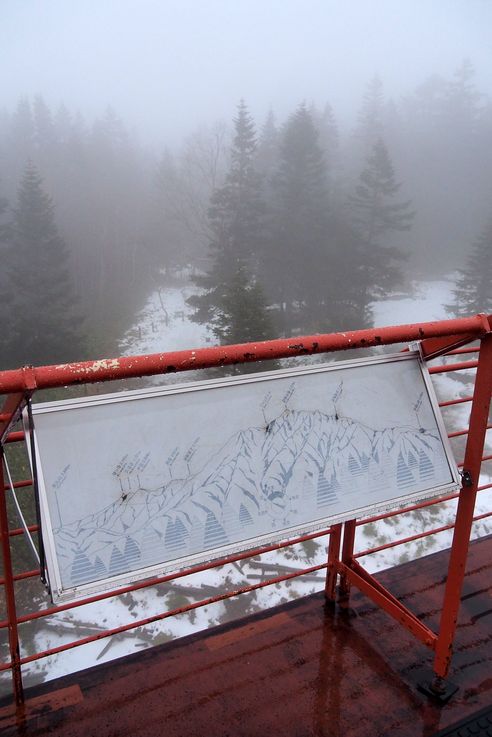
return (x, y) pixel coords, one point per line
(262, 478)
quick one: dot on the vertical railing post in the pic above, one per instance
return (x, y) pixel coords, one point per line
(466, 505)
(333, 560)
(349, 529)
(9, 587)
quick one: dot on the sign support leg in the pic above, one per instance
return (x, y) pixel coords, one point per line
(333, 561)
(349, 529)
(466, 505)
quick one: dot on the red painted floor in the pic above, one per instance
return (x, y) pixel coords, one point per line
(299, 670)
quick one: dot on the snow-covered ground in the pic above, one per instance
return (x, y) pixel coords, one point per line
(164, 324)
(425, 302)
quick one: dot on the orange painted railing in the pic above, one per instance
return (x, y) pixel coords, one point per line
(444, 338)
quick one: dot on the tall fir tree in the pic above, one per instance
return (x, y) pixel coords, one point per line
(267, 150)
(461, 104)
(4, 231)
(473, 291)
(296, 258)
(375, 212)
(235, 221)
(3, 219)
(376, 215)
(243, 316)
(370, 125)
(41, 324)
(329, 141)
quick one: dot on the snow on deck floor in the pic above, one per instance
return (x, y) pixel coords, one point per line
(164, 324)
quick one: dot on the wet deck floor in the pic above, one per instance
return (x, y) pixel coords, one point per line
(298, 670)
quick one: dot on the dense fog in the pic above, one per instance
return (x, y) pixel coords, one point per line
(290, 162)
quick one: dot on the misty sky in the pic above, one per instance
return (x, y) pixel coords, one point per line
(166, 66)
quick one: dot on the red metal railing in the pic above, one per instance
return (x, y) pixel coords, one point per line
(438, 339)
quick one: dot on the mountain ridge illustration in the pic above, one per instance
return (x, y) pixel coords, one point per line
(301, 465)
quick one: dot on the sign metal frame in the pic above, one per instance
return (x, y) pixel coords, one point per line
(61, 593)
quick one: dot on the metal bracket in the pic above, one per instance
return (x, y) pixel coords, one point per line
(438, 689)
(29, 378)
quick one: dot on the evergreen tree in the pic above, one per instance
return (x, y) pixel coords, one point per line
(329, 142)
(44, 129)
(3, 216)
(295, 263)
(328, 136)
(20, 145)
(374, 210)
(376, 215)
(41, 325)
(236, 208)
(4, 230)
(370, 125)
(243, 316)
(473, 292)
(461, 101)
(235, 221)
(267, 150)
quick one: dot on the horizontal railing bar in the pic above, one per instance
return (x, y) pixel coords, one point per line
(359, 523)
(18, 484)
(458, 433)
(459, 351)
(485, 486)
(15, 437)
(482, 516)
(45, 377)
(171, 576)
(135, 625)
(21, 531)
(450, 402)
(414, 507)
(403, 510)
(441, 369)
(165, 615)
(20, 577)
(417, 536)
(215, 599)
(403, 540)
(483, 460)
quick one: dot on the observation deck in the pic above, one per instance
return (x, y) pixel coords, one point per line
(298, 670)
(403, 651)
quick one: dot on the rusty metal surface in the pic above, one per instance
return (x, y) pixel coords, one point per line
(300, 670)
(9, 592)
(43, 377)
(466, 506)
(436, 337)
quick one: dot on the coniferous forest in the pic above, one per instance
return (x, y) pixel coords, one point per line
(283, 226)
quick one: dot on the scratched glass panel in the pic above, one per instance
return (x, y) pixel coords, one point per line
(142, 482)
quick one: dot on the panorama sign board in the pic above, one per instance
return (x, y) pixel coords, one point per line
(138, 483)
